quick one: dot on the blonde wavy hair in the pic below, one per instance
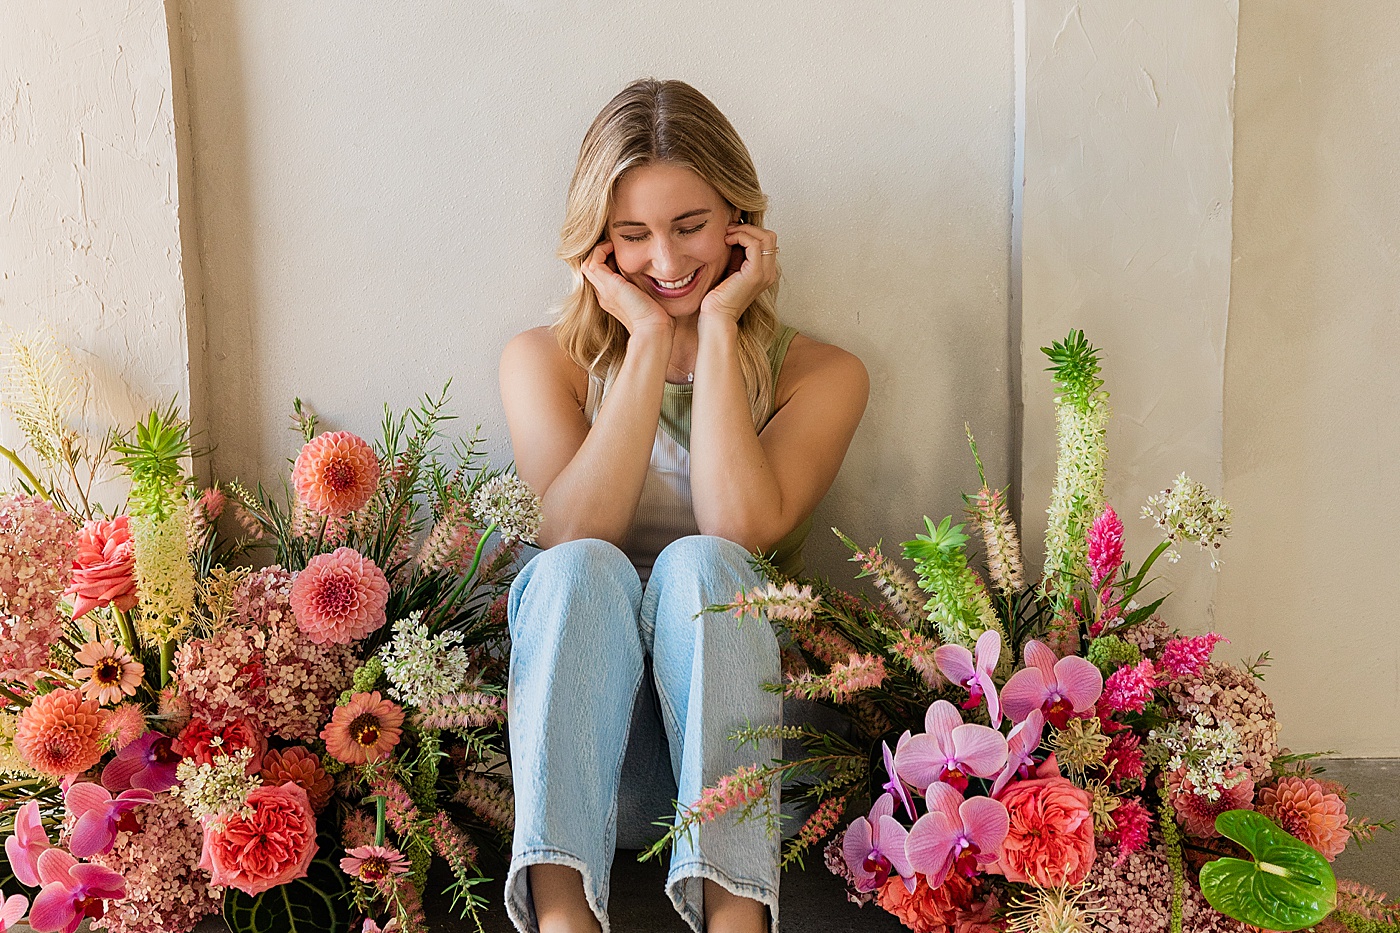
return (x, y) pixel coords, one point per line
(653, 121)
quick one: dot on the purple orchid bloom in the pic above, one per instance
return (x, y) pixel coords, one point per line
(874, 847)
(1020, 747)
(98, 817)
(27, 844)
(949, 750)
(974, 672)
(1058, 688)
(73, 891)
(895, 785)
(956, 834)
(148, 763)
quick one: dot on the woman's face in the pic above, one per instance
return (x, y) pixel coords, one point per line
(667, 229)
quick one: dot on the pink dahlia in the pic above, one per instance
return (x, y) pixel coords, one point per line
(109, 671)
(335, 474)
(339, 597)
(1196, 812)
(272, 846)
(374, 864)
(363, 730)
(298, 765)
(1307, 811)
(104, 569)
(61, 733)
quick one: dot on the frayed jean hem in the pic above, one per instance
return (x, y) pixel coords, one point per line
(520, 903)
(688, 899)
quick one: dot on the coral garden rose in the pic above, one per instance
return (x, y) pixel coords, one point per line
(200, 741)
(61, 733)
(340, 597)
(104, 569)
(949, 908)
(272, 846)
(1050, 841)
(335, 474)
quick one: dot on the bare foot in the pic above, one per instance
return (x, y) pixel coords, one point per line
(560, 904)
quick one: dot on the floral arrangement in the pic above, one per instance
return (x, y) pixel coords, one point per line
(1056, 758)
(183, 733)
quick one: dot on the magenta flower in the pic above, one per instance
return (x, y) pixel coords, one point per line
(895, 786)
(974, 672)
(1105, 543)
(874, 847)
(14, 907)
(98, 817)
(73, 891)
(1129, 688)
(1185, 657)
(949, 750)
(27, 844)
(956, 834)
(1056, 688)
(1020, 749)
(148, 763)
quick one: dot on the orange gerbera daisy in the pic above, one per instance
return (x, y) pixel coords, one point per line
(365, 729)
(109, 670)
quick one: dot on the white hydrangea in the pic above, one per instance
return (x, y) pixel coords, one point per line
(422, 667)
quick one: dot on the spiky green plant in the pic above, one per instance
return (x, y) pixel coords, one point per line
(958, 602)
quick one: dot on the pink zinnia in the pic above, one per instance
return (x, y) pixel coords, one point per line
(61, 733)
(365, 729)
(1105, 547)
(340, 597)
(1308, 811)
(271, 847)
(1129, 688)
(1187, 657)
(104, 569)
(109, 670)
(1196, 812)
(335, 474)
(374, 864)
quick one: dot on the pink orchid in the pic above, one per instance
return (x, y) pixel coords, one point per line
(949, 750)
(27, 844)
(14, 907)
(895, 785)
(73, 891)
(1056, 688)
(148, 763)
(1020, 749)
(875, 846)
(974, 672)
(371, 927)
(956, 834)
(98, 817)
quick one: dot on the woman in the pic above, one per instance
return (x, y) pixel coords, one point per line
(671, 427)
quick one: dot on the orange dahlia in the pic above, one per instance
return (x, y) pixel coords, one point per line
(363, 730)
(339, 597)
(61, 733)
(1307, 811)
(335, 474)
(297, 765)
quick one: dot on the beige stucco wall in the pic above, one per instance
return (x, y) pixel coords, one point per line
(1312, 389)
(380, 188)
(90, 239)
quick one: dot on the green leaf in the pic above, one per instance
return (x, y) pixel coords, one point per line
(1288, 886)
(318, 903)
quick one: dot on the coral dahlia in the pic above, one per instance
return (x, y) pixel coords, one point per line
(335, 474)
(363, 730)
(109, 670)
(1309, 812)
(339, 597)
(61, 733)
(297, 765)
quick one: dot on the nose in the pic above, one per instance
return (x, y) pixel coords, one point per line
(666, 259)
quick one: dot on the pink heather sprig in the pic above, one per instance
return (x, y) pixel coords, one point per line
(451, 844)
(1105, 553)
(1129, 688)
(894, 584)
(1187, 657)
(818, 826)
(789, 602)
(492, 802)
(460, 712)
(1131, 823)
(859, 672)
(989, 511)
(919, 650)
(738, 788)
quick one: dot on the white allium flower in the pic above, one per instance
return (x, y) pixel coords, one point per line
(511, 505)
(421, 667)
(1188, 512)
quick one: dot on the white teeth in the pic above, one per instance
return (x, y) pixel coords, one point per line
(681, 284)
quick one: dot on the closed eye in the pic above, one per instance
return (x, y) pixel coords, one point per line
(685, 231)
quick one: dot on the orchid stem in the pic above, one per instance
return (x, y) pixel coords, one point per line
(379, 807)
(28, 474)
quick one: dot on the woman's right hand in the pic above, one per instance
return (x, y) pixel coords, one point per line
(619, 297)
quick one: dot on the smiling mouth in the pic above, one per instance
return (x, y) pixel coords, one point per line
(676, 285)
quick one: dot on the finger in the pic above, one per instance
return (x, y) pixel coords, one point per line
(754, 244)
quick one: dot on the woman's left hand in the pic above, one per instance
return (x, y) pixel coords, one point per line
(732, 296)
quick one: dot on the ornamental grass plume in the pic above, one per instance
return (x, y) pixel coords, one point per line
(1307, 811)
(958, 602)
(989, 512)
(104, 567)
(335, 474)
(339, 597)
(60, 733)
(41, 389)
(37, 543)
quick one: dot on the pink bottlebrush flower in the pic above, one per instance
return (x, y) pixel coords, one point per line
(462, 711)
(340, 597)
(956, 834)
(270, 847)
(788, 602)
(60, 733)
(1186, 657)
(895, 785)
(374, 864)
(858, 672)
(739, 787)
(894, 584)
(920, 651)
(363, 730)
(1196, 812)
(1058, 688)
(335, 474)
(488, 799)
(949, 750)
(109, 671)
(104, 568)
(1131, 822)
(974, 671)
(13, 909)
(29, 841)
(73, 892)
(817, 826)
(98, 816)
(451, 843)
(1021, 744)
(211, 504)
(148, 763)
(1129, 688)
(1105, 542)
(1124, 758)
(874, 846)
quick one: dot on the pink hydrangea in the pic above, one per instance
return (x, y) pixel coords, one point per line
(37, 544)
(1129, 688)
(1186, 657)
(340, 597)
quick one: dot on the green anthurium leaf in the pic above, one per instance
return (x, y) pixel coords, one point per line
(318, 903)
(1288, 886)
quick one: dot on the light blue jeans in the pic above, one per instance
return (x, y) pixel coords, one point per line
(593, 662)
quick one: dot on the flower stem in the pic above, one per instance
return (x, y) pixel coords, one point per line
(480, 550)
(379, 807)
(127, 632)
(13, 698)
(167, 651)
(28, 474)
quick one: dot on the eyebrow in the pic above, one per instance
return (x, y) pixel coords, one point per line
(687, 215)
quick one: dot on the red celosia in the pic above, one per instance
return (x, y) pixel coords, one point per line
(1124, 757)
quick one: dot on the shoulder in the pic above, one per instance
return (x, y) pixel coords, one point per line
(535, 356)
(810, 363)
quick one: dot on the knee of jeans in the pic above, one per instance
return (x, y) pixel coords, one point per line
(583, 564)
(706, 556)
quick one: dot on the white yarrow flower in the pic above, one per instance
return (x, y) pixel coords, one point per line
(421, 667)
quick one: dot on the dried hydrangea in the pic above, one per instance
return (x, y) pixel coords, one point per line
(1224, 695)
(220, 788)
(1187, 511)
(509, 504)
(37, 545)
(1130, 890)
(423, 667)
